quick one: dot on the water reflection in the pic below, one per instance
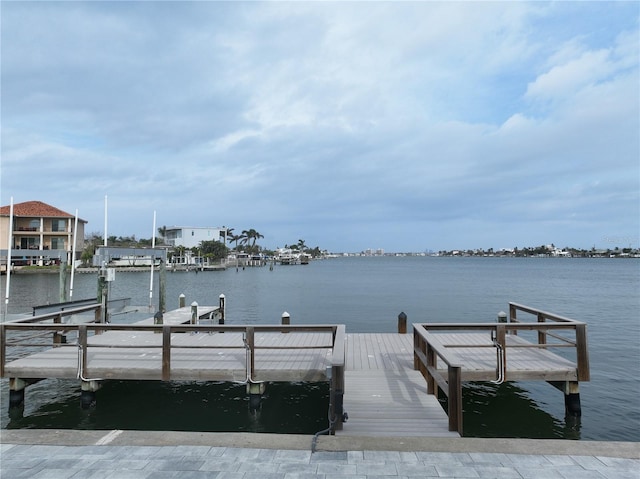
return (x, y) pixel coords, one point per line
(177, 406)
(490, 410)
(507, 410)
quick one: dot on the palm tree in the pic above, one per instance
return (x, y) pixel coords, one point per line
(301, 245)
(231, 237)
(245, 236)
(251, 236)
(256, 236)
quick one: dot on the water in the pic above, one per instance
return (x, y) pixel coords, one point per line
(367, 294)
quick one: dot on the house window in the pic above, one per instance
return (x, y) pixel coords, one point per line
(58, 225)
(57, 243)
(34, 225)
(28, 243)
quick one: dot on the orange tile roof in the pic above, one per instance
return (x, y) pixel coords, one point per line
(36, 209)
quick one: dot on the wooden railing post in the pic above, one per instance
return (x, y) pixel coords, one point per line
(337, 393)
(82, 341)
(416, 346)
(166, 352)
(336, 412)
(501, 338)
(432, 364)
(542, 335)
(250, 334)
(513, 316)
(582, 353)
(58, 336)
(455, 399)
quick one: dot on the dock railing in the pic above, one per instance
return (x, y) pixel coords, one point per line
(58, 328)
(50, 325)
(429, 349)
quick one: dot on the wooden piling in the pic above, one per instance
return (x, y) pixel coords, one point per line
(103, 293)
(221, 309)
(572, 399)
(402, 323)
(63, 281)
(17, 387)
(87, 395)
(255, 391)
(194, 313)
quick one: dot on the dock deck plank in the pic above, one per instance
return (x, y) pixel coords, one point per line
(384, 396)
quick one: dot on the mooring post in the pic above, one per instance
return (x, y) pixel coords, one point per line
(285, 320)
(221, 309)
(158, 319)
(103, 290)
(181, 301)
(194, 313)
(402, 323)
(62, 278)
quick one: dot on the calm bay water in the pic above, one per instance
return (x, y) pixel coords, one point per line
(367, 294)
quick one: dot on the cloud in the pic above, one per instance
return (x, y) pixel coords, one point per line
(304, 119)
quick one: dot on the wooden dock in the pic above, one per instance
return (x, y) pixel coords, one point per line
(176, 350)
(384, 395)
(388, 384)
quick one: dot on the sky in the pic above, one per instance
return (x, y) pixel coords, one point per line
(405, 126)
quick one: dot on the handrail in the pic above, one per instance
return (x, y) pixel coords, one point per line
(527, 309)
(543, 328)
(428, 349)
(56, 315)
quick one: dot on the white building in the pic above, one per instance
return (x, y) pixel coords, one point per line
(190, 237)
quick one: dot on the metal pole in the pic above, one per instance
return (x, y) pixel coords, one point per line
(153, 262)
(10, 244)
(73, 255)
(105, 221)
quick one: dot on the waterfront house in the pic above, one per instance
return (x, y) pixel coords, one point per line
(191, 237)
(41, 235)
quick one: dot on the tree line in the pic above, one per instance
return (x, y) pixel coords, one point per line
(245, 241)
